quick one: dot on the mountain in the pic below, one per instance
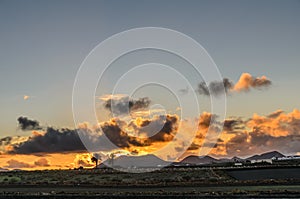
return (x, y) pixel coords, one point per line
(198, 160)
(152, 161)
(224, 160)
(145, 161)
(268, 155)
(237, 159)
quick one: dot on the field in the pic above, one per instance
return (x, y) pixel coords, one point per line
(195, 182)
(267, 173)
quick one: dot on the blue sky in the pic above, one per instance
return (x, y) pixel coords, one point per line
(42, 44)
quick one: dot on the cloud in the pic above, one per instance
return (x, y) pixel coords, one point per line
(122, 104)
(245, 83)
(194, 146)
(117, 136)
(160, 128)
(253, 142)
(27, 125)
(277, 123)
(138, 132)
(184, 91)
(209, 127)
(215, 88)
(42, 162)
(233, 124)
(276, 131)
(275, 114)
(8, 143)
(54, 140)
(15, 164)
(26, 97)
(240, 137)
(83, 160)
(244, 137)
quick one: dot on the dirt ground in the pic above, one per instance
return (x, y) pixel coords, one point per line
(165, 183)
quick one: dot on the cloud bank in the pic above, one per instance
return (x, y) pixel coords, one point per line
(137, 133)
(240, 137)
(258, 134)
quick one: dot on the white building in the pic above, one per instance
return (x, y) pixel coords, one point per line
(261, 161)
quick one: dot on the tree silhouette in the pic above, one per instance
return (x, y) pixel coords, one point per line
(95, 159)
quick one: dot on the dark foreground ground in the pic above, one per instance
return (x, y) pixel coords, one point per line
(264, 182)
(277, 191)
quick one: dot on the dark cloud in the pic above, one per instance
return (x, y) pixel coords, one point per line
(117, 136)
(218, 88)
(67, 140)
(184, 91)
(123, 104)
(231, 125)
(275, 114)
(53, 141)
(203, 89)
(206, 120)
(28, 125)
(215, 88)
(62, 140)
(168, 130)
(261, 82)
(160, 128)
(6, 140)
(220, 140)
(193, 146)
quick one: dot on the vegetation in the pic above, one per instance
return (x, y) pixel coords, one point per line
(164, 177)
(187, 181)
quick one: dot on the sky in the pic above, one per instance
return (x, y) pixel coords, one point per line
(43, 44)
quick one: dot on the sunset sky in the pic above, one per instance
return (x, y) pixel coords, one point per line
(255, 45)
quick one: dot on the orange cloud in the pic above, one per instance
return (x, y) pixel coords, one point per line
(84, 160)
(38, 161)
(26, 97)
(247, 81)
(42, 162)
(276, 131)
(277, 123)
